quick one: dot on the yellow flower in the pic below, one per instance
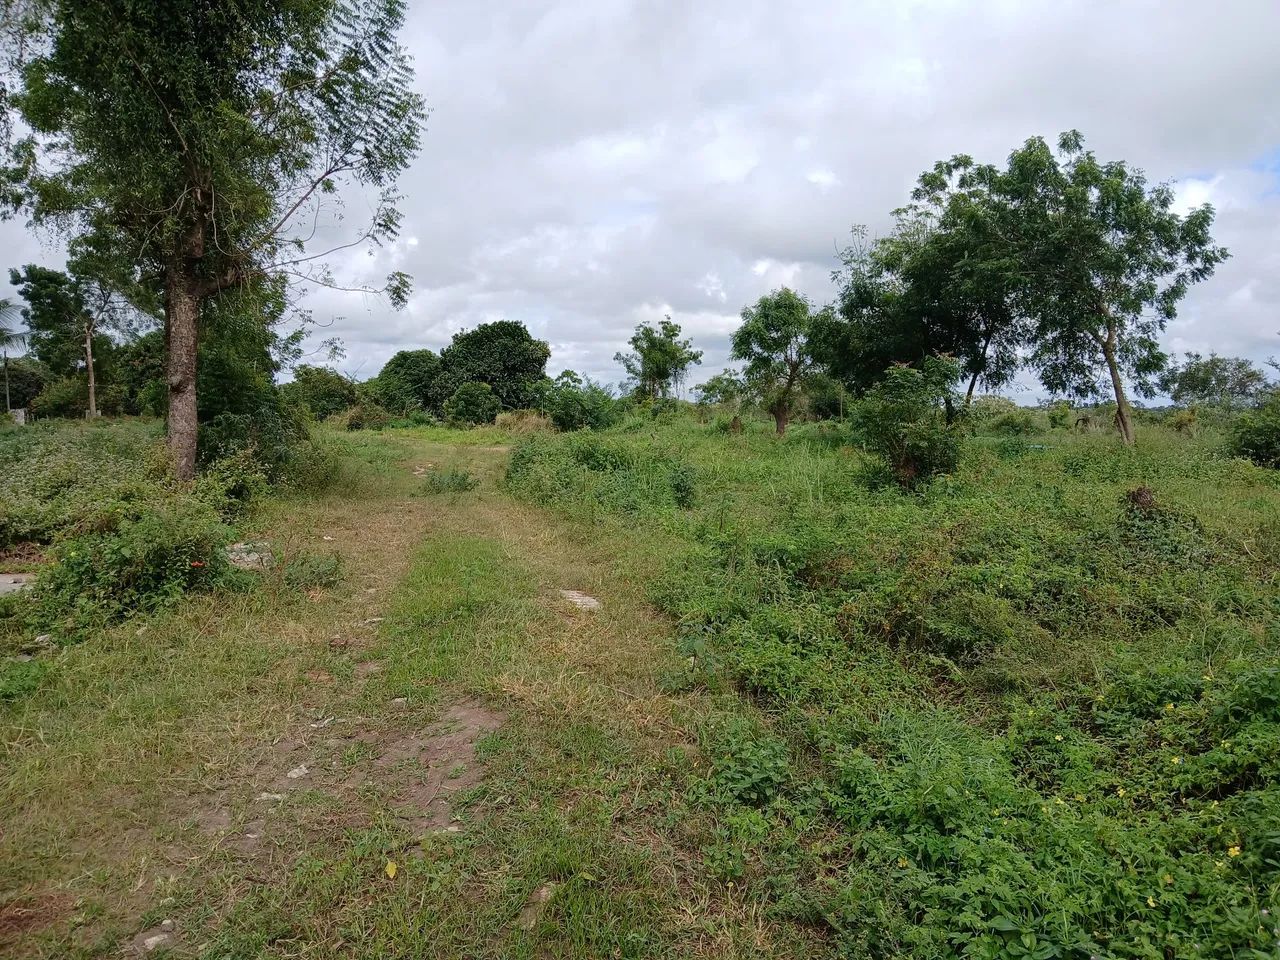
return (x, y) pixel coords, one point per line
(1120, 791)
(904, 862)
(1176, 760)
(1058, 738)
(1168, 879)
(1079, 798)
(1233, 850)
(1226, 744)
(1151, 901)
(1168, 707)
(1060, 801)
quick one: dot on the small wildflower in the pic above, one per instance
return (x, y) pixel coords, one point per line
(1214, 804)
(1207, 678)
(1079, 798)
(1168, 708)
(1226, 744)
(1151, 901)
(1168, 879)
(1120, 791)
(903, 862)
(1233, 850)
(1176, 760)
(197, 563)
(1060, 801)
(1058, 738)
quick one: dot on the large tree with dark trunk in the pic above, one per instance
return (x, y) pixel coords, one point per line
(206, 145)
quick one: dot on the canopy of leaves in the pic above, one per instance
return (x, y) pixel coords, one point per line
(1213, 381)
(659, 360)
(501, 354)
(54, 312)
(904, 419)
(27, 377)
(726, 388)
(773, 341)
(472, 403)
(322, 390)
(417, 370)
(573, 402)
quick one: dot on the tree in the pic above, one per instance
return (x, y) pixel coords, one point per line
(322, 390)
(1098, 258)
(903, 418)
(929, 288)
(202, 144)
(659, 360)
(1230, 383)
(577, 403)
(502, 354)
(416, 370)
(471, 404)
(10, 338)
(726, 388)
(67, 314)
(773, 341)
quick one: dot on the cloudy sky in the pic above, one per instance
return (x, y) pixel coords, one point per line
(590, 165)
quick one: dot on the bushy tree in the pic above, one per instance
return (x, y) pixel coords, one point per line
(25, 377)
(503, 355)
(773, 342)
(659, 360)
(1256, 433)
(725, 389)
(1097, 258)
(576, 403)
(197, 142)
(322, 390)
(903, 418)
(472, 404)
(1229, 383)
(410, 374)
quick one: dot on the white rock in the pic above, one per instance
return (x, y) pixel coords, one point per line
(580, 599)
(153, 943)
(298, 772)
(271, 796)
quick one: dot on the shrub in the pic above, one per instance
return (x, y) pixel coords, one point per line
(453, 480)
(903, 419)
(1059, 414)
(471, 404)
(321, 390)
(67, 397)
(576, 403)
(363, 416)
(131, 559)
(1256, 434)
(1016, 423)
(989, 407)
(272, 435)
(392, 393)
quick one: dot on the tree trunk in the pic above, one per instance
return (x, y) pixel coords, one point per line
(1124, 418)
(181, 315)
(88, 362)
(781, 417)
(968, 394)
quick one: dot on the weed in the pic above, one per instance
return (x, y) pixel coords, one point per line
(452, 480)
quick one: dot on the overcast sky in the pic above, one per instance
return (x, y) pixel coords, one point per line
(589, 165)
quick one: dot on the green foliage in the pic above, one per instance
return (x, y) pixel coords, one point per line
(452, 480)
(363, 416)
(1060, 414)
(503, 356)
(27, 378)
(410, 377)
(1256, 433)
(131, 559)
(67, 397)
(773, 342)
(725, 389)
(1229, 383)
(472, 404)
(904, 420)
(322, 391)
(577, 403)
(1033, 711)
(1016, 423)
(659, 360)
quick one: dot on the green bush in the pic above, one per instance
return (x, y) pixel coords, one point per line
(472, 404)
(322, 391)
(363, 416)
(67, 397)
(1060, 414)
(130, 559)
(903, 419)
(453, 480)
(1256, 433)
(988, 407)
(575, 403)
(1016, 423)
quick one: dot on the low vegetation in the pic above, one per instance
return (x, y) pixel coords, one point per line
(1029, 710)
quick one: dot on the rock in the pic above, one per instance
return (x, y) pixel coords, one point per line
(271, 797)
(250, 556)
(167, 926)
(580, 600)
(15, 582)
(298, 773)
(155, 942)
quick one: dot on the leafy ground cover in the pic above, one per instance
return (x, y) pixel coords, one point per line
(1032, 710)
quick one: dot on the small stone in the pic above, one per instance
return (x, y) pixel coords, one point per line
(272, 797)
(580, 599)
(167, 926)
(154, 943)
(44, 640)
(298, 772)
(400, 701)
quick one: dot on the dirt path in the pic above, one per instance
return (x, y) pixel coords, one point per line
(439, 756)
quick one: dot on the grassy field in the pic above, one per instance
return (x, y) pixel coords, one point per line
(1028, 712)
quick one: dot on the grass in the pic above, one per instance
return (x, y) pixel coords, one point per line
(814, 716)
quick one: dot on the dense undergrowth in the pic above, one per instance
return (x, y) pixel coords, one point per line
(93, 511)
(1031, 710)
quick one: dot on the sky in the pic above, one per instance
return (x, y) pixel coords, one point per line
(591, 165)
